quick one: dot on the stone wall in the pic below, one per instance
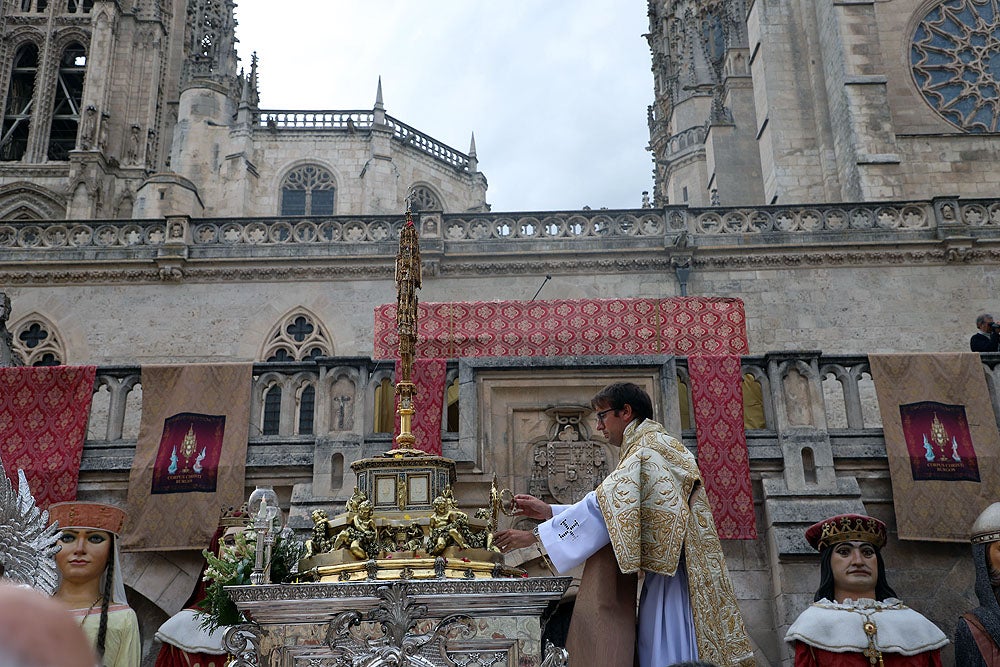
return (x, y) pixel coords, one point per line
(844, 279)
(839, 113)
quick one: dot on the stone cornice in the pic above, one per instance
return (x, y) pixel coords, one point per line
(516, 262)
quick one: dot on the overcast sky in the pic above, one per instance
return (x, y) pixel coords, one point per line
(555, 90)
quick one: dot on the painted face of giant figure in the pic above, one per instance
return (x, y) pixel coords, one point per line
(855, 570)
(83, 554)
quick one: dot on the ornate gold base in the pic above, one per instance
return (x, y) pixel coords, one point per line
(453, 563)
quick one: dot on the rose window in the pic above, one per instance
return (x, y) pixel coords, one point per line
(955, 59)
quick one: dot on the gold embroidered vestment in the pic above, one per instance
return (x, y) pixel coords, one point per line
(657, 514)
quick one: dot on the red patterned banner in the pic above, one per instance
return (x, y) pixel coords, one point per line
(581, 327)
(723, 459)
(43, 423)
(428, 376)
(687, 326)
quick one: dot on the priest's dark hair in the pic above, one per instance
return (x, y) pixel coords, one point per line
(882, 588)
(618, 394)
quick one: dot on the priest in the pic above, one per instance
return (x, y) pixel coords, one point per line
(650, 514)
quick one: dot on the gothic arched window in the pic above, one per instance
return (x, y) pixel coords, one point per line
(308, 190)
(80, 6)
(271, 416)
(307, 410)
(17, 112)
(37, 343)
(423, 198)
(69, 95)
(297, 337)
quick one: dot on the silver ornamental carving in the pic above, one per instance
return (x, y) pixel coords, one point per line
(28, 545)
(555, 656)
(398, 646)
(569, 465)
(243, 643)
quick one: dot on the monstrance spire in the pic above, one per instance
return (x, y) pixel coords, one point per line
(407, 284)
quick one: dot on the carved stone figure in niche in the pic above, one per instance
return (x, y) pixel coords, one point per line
(343, 405)
(102, 140)
(447, 524)
(88, 127)
(797, 405)
(132, 151)
(361, 537)
(6, 337)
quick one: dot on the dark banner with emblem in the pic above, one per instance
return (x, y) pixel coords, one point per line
(941, 440)
(938, 441)
(190, 457)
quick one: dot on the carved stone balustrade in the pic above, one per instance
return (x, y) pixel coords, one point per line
(931, 220)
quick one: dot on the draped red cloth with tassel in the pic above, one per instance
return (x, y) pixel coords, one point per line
(429, 378)
(723, 458)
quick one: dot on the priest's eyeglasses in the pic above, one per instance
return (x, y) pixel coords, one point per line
(600, 415)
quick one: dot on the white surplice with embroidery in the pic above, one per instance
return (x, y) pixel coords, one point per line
(666, 631)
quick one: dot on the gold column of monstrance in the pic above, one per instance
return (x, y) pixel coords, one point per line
(407, 284)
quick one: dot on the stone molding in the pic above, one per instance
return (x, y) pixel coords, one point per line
(279, 249)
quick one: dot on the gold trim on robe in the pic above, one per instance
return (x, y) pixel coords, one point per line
(657, 511)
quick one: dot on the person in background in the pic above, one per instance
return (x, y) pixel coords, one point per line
(987, 339)
(855, 619)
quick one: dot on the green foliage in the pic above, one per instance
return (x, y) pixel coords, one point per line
(232, 567)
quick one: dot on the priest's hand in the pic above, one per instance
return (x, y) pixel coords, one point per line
(510, 539)
(532, 507)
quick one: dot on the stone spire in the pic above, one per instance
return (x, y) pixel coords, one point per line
(210, 50)
(379, 105)
(248, 95)
(473, 158)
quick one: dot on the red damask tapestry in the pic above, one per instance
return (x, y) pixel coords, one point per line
(723, 458)
(429, 377)
(686, 326)
(43, 423)
(577, 327)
